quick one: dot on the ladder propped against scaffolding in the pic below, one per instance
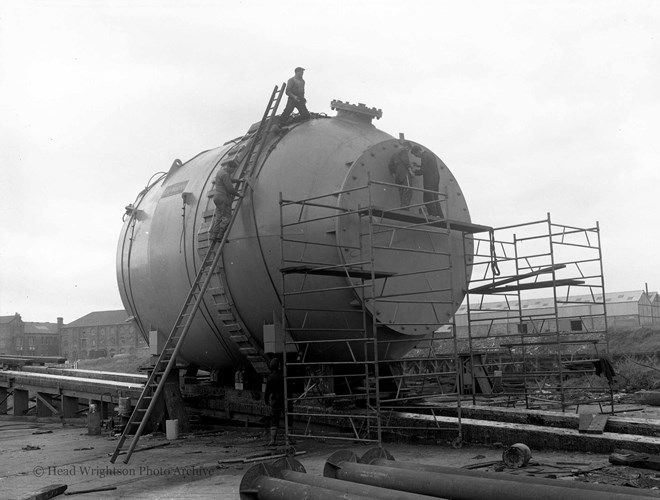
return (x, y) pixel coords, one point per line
(166, 360)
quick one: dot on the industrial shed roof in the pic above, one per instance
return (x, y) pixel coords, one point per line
(611, 297)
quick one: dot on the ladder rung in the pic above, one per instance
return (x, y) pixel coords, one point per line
(248, 351)
(239, 338)
(232, 327)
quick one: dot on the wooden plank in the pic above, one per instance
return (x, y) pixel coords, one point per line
(92, 490)
(615, 424)
(585, 422)
(145, 448)
(43, 403)
(598, 423)
(482, 379)
(634, 459)
(534, 436)
(532, 286)
(466, 227)
(46, 492)
(336, 271)
(491, 286)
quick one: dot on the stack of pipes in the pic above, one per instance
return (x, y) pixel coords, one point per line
(377, 475)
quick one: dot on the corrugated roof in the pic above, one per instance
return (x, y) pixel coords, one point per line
(100, 318)
(40, 328)
(611, 297)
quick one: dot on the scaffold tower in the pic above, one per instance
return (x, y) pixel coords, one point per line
(535, 324)
(345, 374)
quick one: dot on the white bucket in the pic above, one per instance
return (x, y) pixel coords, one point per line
(93, 420)
(172, 429)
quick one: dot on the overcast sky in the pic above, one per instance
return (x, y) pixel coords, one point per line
(536, 107)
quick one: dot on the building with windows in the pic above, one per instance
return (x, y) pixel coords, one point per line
(100, 334)
(624, 310)
(39, 339)
(28, 338)
(11, 327)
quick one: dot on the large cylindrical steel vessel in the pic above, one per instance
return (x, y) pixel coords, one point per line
(342, 161)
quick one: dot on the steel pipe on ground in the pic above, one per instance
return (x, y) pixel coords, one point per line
(286, 480)
(271, 488)
(345, 487)
(456, 486)
(605, 488)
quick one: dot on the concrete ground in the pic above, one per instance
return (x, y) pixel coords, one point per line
(35, 454)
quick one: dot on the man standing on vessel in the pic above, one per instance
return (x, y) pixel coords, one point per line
(295, 90)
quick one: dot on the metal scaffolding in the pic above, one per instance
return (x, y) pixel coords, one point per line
(544, 341)
(345, 373)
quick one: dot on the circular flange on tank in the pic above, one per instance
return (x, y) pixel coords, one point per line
(424, 264)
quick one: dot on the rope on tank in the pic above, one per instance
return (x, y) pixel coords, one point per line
(493, 255)
(126, 280)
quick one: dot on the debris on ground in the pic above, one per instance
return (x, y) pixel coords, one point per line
(257, 457)
(634, 459)
(92, 490)
(46, 492)
(516, 456)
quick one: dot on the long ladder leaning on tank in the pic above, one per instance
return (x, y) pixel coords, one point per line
(157, 379)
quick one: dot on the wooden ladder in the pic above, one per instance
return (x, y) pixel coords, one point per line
(246, 343)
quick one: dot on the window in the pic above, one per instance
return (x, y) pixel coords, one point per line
(576, 325)
(522, 328)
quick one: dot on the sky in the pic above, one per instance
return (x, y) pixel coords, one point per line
(537, 107)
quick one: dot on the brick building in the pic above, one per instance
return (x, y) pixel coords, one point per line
(11, 327)
(100, 334)
(39, 339)
(28, 338)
